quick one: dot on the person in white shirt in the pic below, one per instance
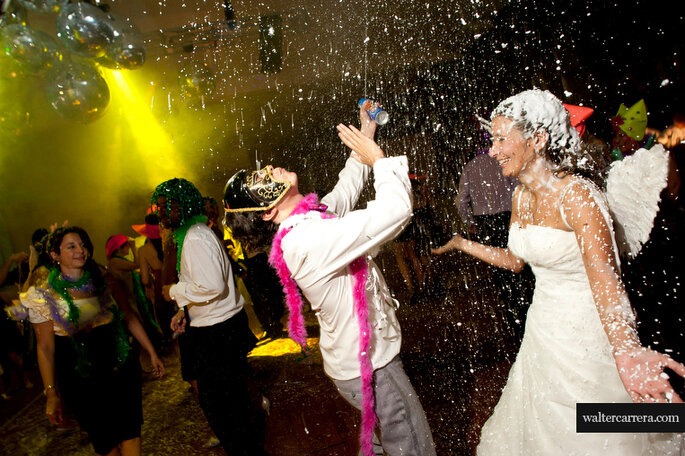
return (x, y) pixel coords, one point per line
(324, 250)
(212, 314)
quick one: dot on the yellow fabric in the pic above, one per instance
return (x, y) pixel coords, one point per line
(634, 120)
(140, 241)
(235, 250)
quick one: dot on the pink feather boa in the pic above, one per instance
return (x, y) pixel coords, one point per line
(296, 326)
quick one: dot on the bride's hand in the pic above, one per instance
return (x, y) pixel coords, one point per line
(452, 244)
(642, 372)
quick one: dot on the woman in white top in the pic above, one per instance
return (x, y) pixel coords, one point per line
(580, 343)
(82, 324)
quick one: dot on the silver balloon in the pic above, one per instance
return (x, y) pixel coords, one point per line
(43, 6)
(127, 48)
(85, 29)
(16, 14)
(196, 79)
(77, 92)
(10, 69)
(32, 49)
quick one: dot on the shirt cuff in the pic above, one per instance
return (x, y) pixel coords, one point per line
(354, 163)
(177, 294)
(391, 163)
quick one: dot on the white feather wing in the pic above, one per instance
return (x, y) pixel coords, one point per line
(633, 188)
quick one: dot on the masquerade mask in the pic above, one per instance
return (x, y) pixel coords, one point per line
(255, 191)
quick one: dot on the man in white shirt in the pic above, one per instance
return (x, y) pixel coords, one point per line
(323, 249)
(218, 334)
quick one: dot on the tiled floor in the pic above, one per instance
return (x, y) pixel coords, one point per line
(457, 350)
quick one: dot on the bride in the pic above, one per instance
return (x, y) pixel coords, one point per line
(580, 343)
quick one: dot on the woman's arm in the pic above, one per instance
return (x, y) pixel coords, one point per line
(640, 368)
(148, 262)
(45, 352)
(134, 326)
(18, 258)
(496, 256)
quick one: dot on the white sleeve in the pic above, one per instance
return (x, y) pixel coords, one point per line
(38, 309)
(345, 194)
(346, 238)
(203, 263)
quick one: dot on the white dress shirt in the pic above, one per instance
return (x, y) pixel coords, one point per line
(206, 283)
(318, 252)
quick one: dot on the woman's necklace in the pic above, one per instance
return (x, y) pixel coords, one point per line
(81, 284)
(61, 284)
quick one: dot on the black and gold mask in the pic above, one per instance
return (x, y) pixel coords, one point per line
(253, 191)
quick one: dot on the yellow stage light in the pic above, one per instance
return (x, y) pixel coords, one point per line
(159, 159)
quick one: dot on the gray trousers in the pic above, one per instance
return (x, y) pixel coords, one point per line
(402, 422)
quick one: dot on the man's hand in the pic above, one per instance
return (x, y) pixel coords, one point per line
(178, 322)
(368, 125)
(365, 149)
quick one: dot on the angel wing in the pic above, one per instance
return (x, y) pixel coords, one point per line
(633, 187)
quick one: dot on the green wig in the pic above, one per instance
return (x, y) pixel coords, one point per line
(184, 193)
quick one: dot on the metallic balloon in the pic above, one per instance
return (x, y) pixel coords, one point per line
(10, 69)
(32, 49)
(85, 29)
(77, 92)
(196, 79)
(127, 48)
(16, 14)
(43, 6)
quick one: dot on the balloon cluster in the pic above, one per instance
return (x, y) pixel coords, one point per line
(87, 36)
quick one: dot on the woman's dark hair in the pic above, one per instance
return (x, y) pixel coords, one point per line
(38, 235)
(250, 230)
(159, 248)
(55, 241)
(153, 219)
(39, 240)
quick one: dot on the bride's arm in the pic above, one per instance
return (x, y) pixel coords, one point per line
(496, 256)
(640, 368)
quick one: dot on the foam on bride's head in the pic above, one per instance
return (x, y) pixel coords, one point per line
(534, 110)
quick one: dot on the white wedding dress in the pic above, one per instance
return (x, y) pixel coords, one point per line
(565, 358)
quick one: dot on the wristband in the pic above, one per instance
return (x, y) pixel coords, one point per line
(47, 388)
